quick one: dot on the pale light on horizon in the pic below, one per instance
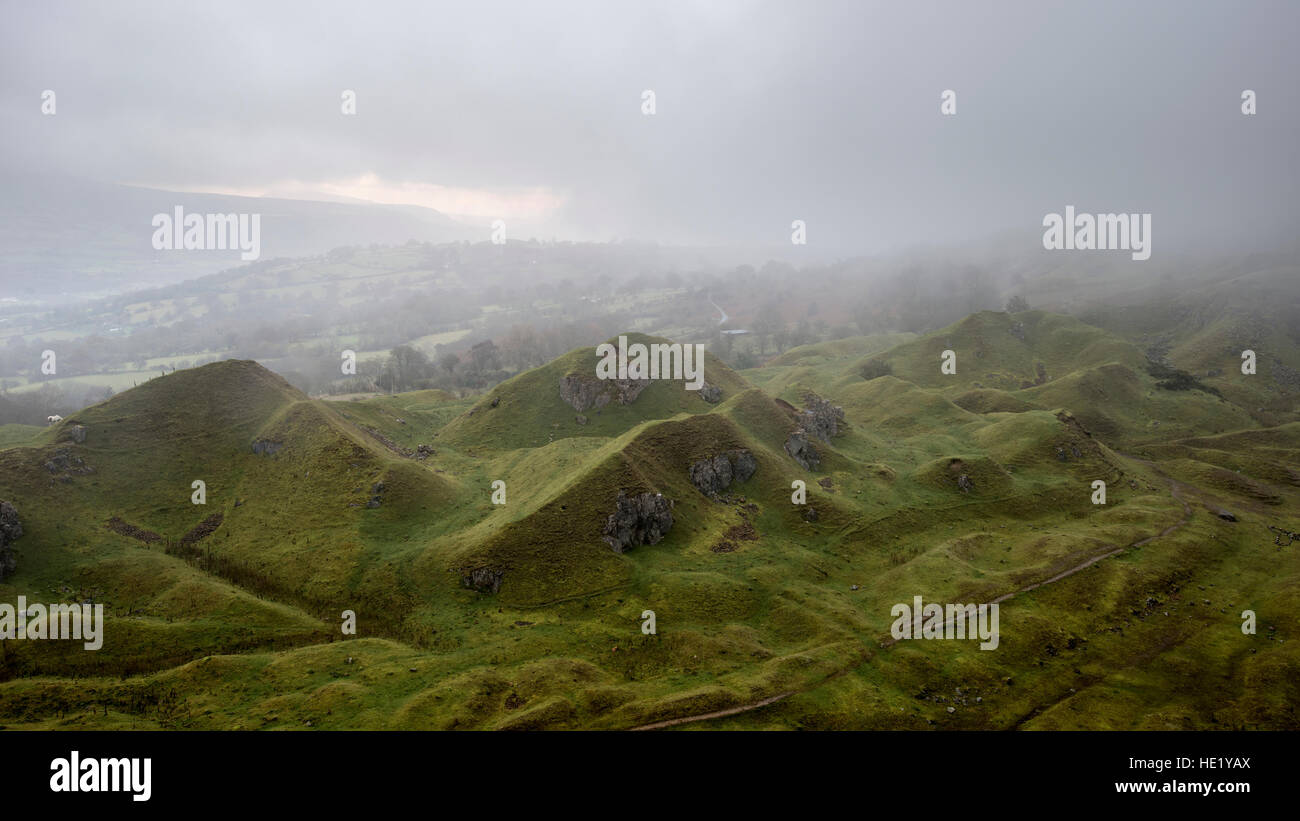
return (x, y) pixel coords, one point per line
(535, 203)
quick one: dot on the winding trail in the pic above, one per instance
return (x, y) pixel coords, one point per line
(730, 711)
(719, 307)
(1175, 488)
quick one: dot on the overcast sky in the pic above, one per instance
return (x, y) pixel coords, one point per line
(766, 112)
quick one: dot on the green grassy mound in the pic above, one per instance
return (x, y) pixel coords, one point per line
(527, 410)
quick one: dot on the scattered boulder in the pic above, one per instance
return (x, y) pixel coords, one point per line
(376, 492)
(810, 514)
(265, 447)
(580, 419)
(802, 451)
(710, 393)
(715, 474)
(73, 432)
(821, 418)
(642, 519)
(67, 463)
(964, 484)
(743, 464)
(711, 476)
(10, 530)
(582, 391)
(1226, 516)
(423, 452)
(483, 579)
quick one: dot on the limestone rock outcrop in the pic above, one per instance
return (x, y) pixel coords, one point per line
(820, 418)
(715, 474)
(583, 392)
(483, 579)
(638, 520)
(802, 451)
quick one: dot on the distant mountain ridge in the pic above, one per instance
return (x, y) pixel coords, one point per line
(79, 238)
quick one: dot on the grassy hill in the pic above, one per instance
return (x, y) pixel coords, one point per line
(528, 411)
(972, 487)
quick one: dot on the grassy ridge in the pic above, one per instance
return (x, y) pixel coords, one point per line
(753, 597)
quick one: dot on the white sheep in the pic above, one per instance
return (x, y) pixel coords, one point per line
(54, 420)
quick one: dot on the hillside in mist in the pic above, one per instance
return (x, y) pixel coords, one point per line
(516, 611)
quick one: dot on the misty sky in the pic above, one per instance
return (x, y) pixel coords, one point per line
(766, 112)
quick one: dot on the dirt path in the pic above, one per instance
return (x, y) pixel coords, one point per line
(730, 711)
(719, 307)
(1175, 488)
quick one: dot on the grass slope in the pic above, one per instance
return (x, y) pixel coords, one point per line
(753, 597)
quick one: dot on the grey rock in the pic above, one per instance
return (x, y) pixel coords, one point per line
(743, 464)
(710, 393)
(582, 391)
(64, 461)
(711, 476)
(265, 447)
(715, 474)
(483, 579)
(820, 418)
(964, 484)
(638, 520)
(802, 451)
